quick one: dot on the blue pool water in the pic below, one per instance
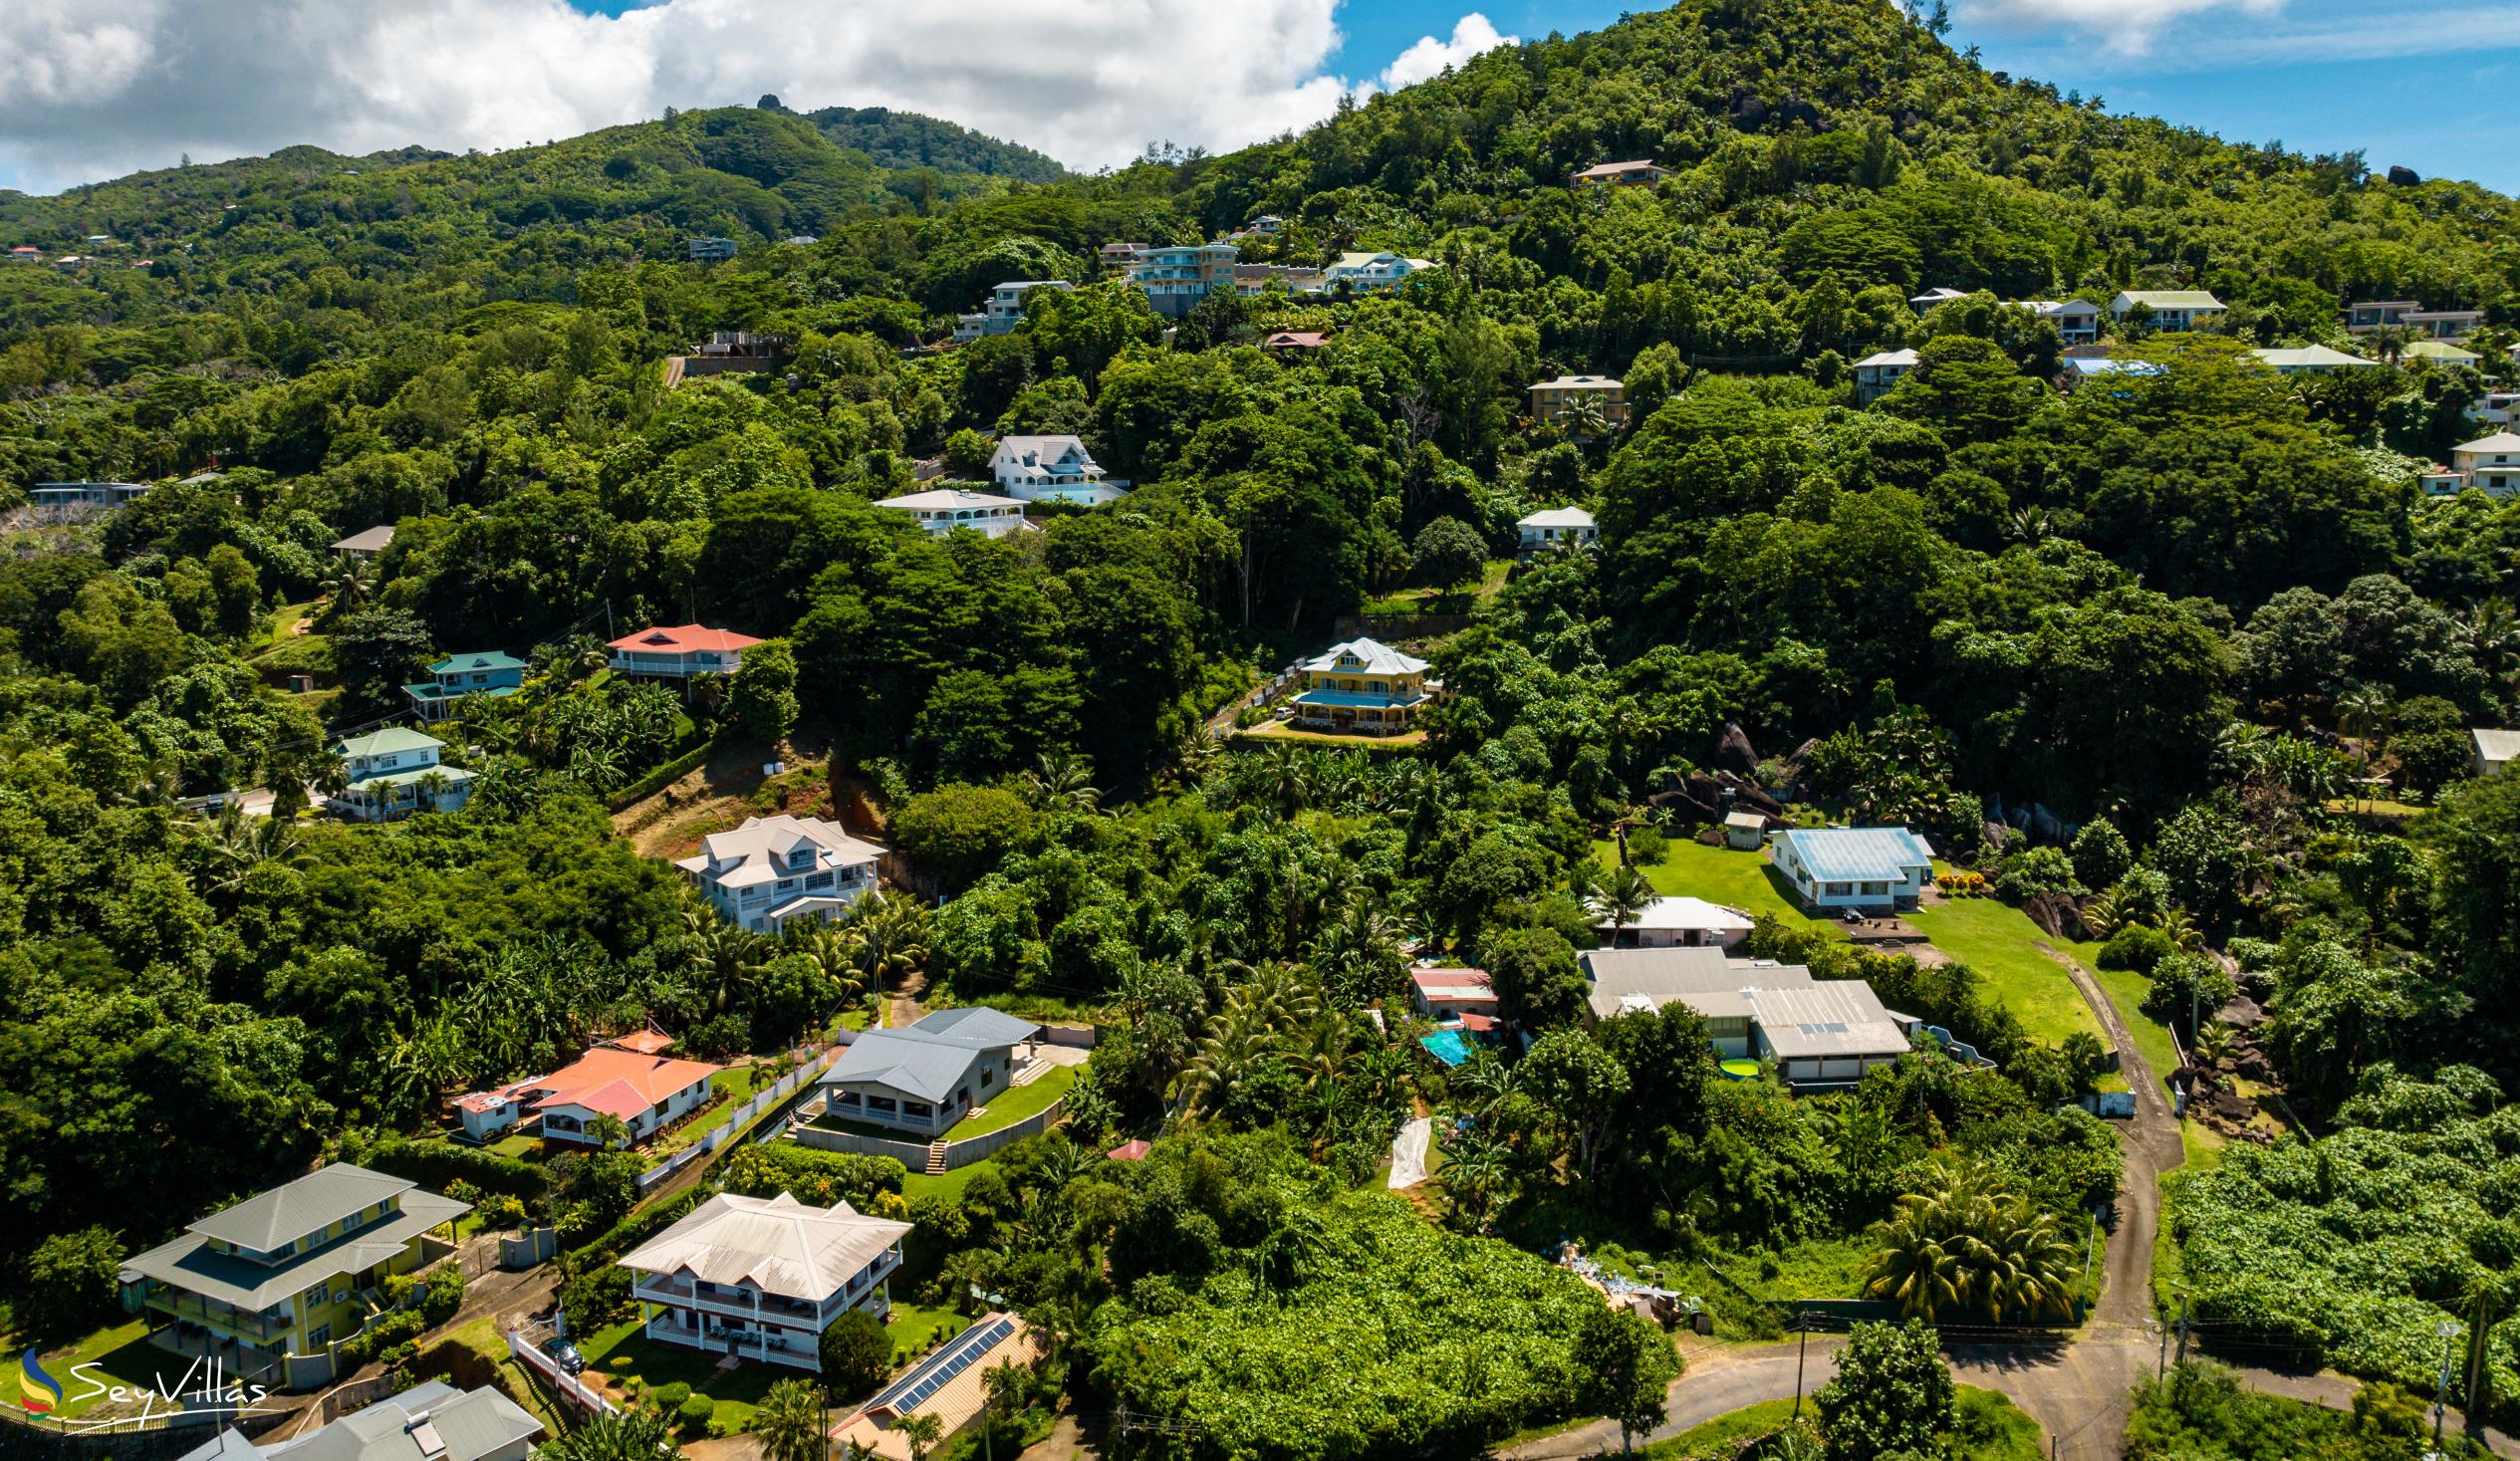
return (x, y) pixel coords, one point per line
(1447, 1045)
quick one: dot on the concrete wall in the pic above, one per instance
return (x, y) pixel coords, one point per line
(958, 1154)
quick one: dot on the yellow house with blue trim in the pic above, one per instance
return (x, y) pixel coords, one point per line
(269, 1286)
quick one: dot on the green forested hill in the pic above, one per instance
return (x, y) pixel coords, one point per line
(906, 140)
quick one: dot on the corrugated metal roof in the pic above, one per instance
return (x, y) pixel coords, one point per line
(779, 1245)
(1829, 1017)
(1705, 979)
(930, 1059)
(1858, 854)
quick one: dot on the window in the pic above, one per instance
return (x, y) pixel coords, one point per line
(1836, 889)
(319, 1337)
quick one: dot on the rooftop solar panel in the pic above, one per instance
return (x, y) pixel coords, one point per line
(914, 1389)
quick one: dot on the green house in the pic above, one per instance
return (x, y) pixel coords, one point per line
(487, 672)
(269, 1286)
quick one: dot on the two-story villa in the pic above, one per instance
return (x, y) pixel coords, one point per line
(2076, 322)
(1364, 687)
(269, 1286)
(487, 672)
(1114, 259)
(1176, 277)
(1051, 469)
(761, 1278)
(2167, 309)
(396, 772)
(1554, 403)
(2490, 464)
(773, 871)
(1877, 374)
(680, 652)
(1372, 273)
(1004, 309)
(923, 1078)
(943, 509)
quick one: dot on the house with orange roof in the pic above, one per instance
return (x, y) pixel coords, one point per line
(680, 652)
(643, 1090)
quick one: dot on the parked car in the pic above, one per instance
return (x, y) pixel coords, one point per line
(566, 1355)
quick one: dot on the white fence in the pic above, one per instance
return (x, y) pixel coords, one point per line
(571, 1388)
(763, 1100)
(957, 1153)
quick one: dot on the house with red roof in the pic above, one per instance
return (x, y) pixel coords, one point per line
(1452, 994)
(680, 652)
(643, 1089)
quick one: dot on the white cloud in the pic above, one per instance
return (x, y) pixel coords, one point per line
(98, 88)
(1472, 34)
(2125, 25)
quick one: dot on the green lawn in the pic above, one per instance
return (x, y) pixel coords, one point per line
(516, 1145)
(623, 1351)
(1991, 1428)
(1723, 876)
(946, 1186)
(122, 1356)
(2000, 943)
(913, 1324)
(735, 1085)
(2126, 988)
(1017, 1103)
(1726, 1435)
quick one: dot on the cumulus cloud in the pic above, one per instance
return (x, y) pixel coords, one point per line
(103, 87)
(2125, 25)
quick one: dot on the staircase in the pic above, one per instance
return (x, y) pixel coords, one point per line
(936, 1157)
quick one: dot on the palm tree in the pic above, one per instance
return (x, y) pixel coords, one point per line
(1063, 780)
(1584, 419)
(1005, 1384)
(619, 1436)
(730, 957)
(920, 1431)
(432, 784)
(790, 1422)
(838, 950)
(1286, 777)
(1622, 898)
(2363, 713)
(1473, 1176)
(892, 939)
(1962, 1243)
(1237, 1041)
(2490, 630)
(2181, 927)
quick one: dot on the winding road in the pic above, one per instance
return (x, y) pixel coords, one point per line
(2079, 1389)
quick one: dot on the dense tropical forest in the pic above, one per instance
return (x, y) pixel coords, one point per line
(2184, 666)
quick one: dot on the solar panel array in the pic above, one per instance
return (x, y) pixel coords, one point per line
(915, 1388)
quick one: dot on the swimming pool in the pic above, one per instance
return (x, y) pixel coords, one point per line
(1446, 1046)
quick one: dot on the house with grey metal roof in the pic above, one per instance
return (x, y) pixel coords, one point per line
(2492, 750)
(1817, 1032)
(270, 1285)
(432, 1421)
(923, 1078)
(1364, 686)
(2166, 309)
(1864, 868)
(1551, 526)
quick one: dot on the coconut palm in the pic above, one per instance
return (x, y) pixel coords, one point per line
(1237, 1041)
(1472, 1177)
(1621, 898)
(892, 933)
(790, 1422)
(1961, 1243)
(730, 959)
(838, 950)
(1285, 779)
(920, 1432)
(618, 1435)
(1584, 418)
(2363, 713)
(1063, 780)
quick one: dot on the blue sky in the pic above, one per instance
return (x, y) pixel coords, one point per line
(106, 87)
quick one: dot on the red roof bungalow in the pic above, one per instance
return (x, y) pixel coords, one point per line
(645, 1093)
(1289, 341)
(643, 1041)
(1447, 994)
(679, 653)
(1131, 1150)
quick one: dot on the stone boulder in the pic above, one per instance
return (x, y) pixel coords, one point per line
(2057, 915)
(1734, 752)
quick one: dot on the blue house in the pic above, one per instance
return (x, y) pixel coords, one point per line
(457, 676)
(1870, 868)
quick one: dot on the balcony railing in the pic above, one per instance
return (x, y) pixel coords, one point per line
(251, 1324)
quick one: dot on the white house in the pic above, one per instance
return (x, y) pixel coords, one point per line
(2489, 464)
(2312, 360)
(947, 508)
(1939, 295)
(1371, 273)
(1551, 526)
(1854, 866)
(396, 772)
(1636, 174)
(1004, 309)
(2440, 352)
(1678, 924)
(367, 542)
(1874, 374)
(761, 1278)
(2076, 321)
(708, 250)
(1450, 994)
(680, 652)
(2170, 309)
(2498, 407)
(1051, 469)
(2493, 750)
(1176, 277)
(642, 1089)
(773, 871)
(1820, 1032)
(924, 1077)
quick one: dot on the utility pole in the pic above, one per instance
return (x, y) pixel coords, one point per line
(2161, 1362)
(2441, 1396)
(2182, 1328)
(1802, 1321)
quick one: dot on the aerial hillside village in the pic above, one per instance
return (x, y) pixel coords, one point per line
(1668, 733)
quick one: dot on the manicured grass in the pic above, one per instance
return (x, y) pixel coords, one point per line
(1432, 600)
(2126, 988)
(516, 1145)
(1017, 1103)
(1736, 879)
(735, 1085)
(2000, 943)
(1726, 1434)
(122, 1356)
(947, 1186)
(624, 1351)
(913, 1324)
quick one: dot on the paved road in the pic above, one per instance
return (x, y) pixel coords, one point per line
(2079, 1390)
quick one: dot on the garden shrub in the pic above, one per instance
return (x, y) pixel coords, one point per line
(2136, 947)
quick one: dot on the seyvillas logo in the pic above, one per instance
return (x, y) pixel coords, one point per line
(38, 1393)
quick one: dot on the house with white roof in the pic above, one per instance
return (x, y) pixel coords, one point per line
(1678, 924)
(1835, 867)
(2076, 322)
(680, 652)
(1364, 687)
(2492, 750)
(761, 1278)
(432, 1421)
(1937, 296)
(1553, 402)
(1051, 469)
(943, 509)
(923, 1078)
(1638, 172)
(1570, 527)
(1818, 1032)
(2166, 309)
(1004, 307)
(396, 772)
(773, 871)
(2496, 407)
(2489, 464)
(2312, 360)
(1875, 374)
(1372, 273)
(2439, 352)
(366, 542)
